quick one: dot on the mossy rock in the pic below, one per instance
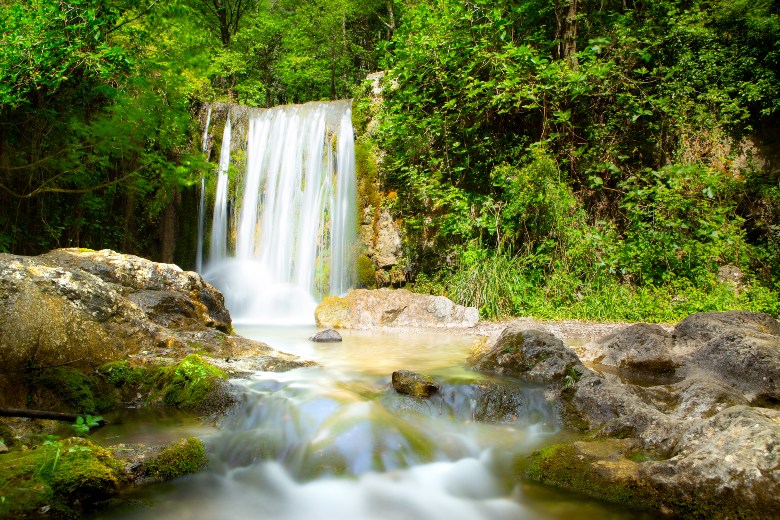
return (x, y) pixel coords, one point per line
(193, 384)
(606, 470)
(68, 390)
(7, 435)
(57, 480)
(183, 458)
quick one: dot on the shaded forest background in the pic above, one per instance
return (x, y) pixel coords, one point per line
(598, 159)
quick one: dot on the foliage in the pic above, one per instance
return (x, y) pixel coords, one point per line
(84, 423)
(612, 164)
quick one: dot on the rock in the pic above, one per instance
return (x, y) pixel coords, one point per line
(181, 458)
(725, 467)
(135, 274)
(532, 355)
(698, 449)
(380, 235)
(745, 359)
(326, 336)
(79, 310)
(66, 477)
(701, 398)
(640, 347)
(414, 384)
(601, 469)
(3, 447)
(611, 409)
(697, 329)
(365, 309)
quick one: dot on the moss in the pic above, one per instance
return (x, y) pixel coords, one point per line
(72, 390)
(612, 478)
(66, 477)
(193, 384)
(121, 373)
(366, 274)
(183, 458)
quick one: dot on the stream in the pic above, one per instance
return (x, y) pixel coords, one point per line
(337, 442)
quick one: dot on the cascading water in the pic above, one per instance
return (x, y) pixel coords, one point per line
(202, 204)
(296, 225)
(334, 441)
(218, 243)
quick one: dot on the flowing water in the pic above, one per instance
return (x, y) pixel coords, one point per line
(337, 442)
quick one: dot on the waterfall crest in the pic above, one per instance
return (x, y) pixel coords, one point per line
(295, 226)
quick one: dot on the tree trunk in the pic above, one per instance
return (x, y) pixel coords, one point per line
(570, 35)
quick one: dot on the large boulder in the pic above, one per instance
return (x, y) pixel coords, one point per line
(727, 466)
(532, 355)
(75, 310)
(739, 348)
(366, 309)
(640, 347)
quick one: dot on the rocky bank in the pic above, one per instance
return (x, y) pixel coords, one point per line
(685, 423)
(85, 332)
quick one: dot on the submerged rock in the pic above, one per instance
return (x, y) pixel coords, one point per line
(414, 384)
(326, 336)
(366, 309)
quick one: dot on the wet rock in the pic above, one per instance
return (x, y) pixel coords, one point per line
(366, 309)
(640, 347)
(326, 336)
(414, 384)
(532, 355)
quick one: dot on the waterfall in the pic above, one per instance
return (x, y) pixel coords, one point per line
(202, 205)
(296, 221)
(218, 243)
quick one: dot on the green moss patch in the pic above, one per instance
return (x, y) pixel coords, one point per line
(69, 390)
(183, 458)
(596, 469)
(61, 478)
(193, 384)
